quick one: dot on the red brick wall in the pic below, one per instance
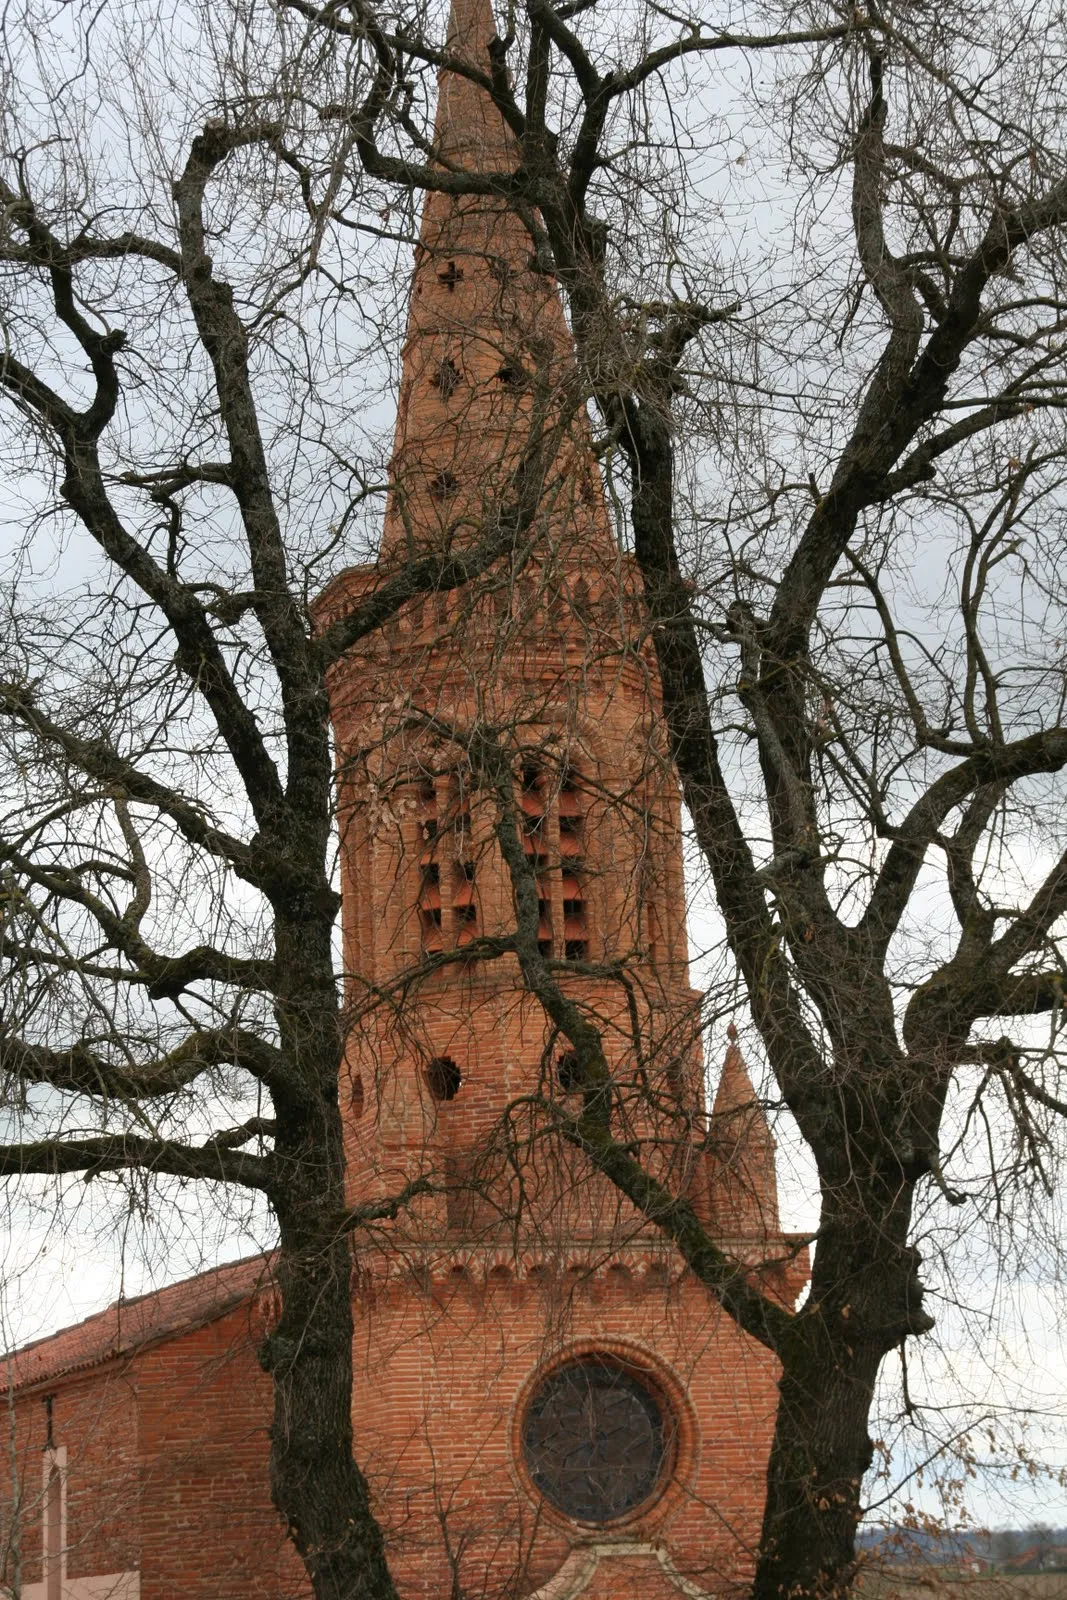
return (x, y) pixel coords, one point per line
(445, 1358)
(167, 1454)
(209, 1531)
(94, 1419)
(166, 1470)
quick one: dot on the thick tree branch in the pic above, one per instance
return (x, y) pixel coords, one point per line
(164, 976)
(997, 765)
(1029, 931)
(904, 393)
(80, 1070)
(98, 759)
(225, 340)
(120, 1151)
(1026, 994)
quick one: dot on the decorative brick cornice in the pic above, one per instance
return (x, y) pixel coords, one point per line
(639, 1264)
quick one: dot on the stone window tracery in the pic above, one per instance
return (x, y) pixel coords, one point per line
(597, 1439)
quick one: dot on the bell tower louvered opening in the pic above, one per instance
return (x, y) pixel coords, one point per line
(533, 802)
(572, 860)
(549, 815)
(430, 910)
(464, 902)
(447, 894)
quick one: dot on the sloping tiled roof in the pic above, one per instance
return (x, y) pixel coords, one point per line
(129, 1324)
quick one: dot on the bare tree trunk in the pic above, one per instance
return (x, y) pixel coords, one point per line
(315, 1481)
(865, 1299)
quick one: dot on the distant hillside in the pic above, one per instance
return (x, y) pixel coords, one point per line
(1038, 1548)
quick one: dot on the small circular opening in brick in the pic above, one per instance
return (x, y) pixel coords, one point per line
(443, 485)
(443, 1078)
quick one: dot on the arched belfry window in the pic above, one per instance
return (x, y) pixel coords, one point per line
(446, 378)
(533, 801)
(572, 839)
(554, 812)
(447, 895)
(430, 912)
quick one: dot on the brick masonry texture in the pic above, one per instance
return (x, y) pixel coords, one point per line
(522, 1259)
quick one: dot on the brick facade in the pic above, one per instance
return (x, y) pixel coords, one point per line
(522, 1262)
(154, 1416)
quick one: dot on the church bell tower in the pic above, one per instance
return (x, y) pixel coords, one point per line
(546, 1403)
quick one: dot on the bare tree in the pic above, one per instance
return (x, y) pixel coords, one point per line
(169, 899)
(846, 739)
(791, 436)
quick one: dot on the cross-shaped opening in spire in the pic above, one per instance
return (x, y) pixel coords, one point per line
(450, 276)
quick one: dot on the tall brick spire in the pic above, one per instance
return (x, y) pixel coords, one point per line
(522, 1268)
(487, 342)
(469, 132)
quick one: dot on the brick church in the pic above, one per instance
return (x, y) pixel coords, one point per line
(546, 1403)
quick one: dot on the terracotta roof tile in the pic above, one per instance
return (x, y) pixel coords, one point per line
(128, 1325)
